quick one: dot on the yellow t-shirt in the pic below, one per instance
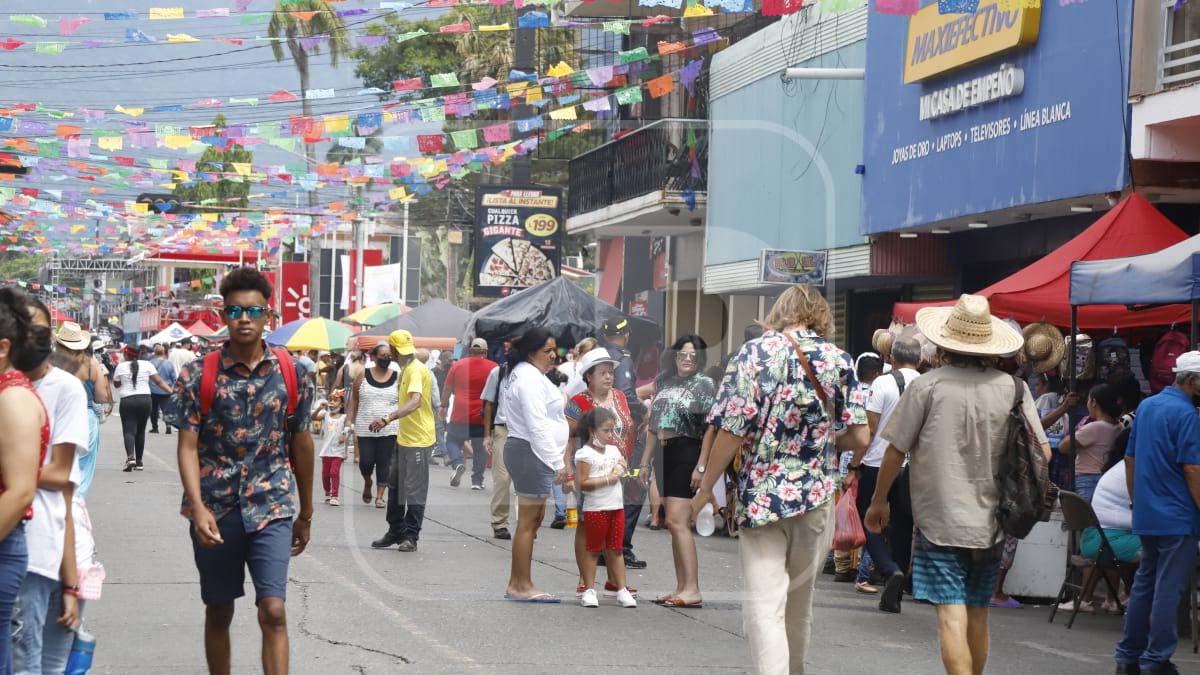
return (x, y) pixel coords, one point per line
(417, 429)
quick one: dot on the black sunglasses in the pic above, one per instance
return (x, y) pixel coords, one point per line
(253, 312)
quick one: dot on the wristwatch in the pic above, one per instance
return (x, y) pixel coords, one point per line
(700, 469)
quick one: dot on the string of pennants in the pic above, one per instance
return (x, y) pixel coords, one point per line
(41, 154)
(208, 281)
(69, 26)
(485, 94)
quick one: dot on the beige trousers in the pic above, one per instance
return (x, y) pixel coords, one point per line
(781, 562)
(501, 483)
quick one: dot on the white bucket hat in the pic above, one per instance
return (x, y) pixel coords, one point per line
(969, 328)
(594, 358)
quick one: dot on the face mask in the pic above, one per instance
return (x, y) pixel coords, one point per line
(37, 349)
(383, 362)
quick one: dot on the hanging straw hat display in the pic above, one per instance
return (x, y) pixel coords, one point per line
(1044, 347)
(969, 328)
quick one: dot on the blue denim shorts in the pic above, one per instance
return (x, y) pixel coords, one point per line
(531, 477)
(266, 552)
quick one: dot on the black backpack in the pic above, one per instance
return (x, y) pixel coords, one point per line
(1023, 481)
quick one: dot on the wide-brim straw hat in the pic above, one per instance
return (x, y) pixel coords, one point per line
(72, 336)
(969, 328)
(1044, 348)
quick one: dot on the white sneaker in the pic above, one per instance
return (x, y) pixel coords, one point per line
(625, 598)
(589, 599)
(1085, 607)
(333, 501)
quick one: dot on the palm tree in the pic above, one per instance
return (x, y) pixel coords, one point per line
(486, 54)
(288, 28)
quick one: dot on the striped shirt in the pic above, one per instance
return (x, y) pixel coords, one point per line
(375, 400)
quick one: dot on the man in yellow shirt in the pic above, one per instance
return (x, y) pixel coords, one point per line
(408, 480)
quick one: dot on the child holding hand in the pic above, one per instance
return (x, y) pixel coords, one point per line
(599, 467)
(333, 446)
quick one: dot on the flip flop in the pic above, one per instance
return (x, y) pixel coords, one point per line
(676, 603)
(539, 599)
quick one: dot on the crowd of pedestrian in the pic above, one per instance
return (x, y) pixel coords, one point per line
(765, 442)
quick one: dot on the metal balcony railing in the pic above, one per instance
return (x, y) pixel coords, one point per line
(1179, 61)
(652, 158)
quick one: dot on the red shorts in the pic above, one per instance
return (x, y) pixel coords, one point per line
(605, 530)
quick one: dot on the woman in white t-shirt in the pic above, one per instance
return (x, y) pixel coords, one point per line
(132, 379)
(599, 466)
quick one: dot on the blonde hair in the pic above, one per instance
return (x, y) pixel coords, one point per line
(586, 345)
(801, 304)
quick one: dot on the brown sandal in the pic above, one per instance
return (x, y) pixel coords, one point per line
(678, 603)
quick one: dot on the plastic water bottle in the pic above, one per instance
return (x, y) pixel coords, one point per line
(80, 660)
(706, 522)
(572, 510)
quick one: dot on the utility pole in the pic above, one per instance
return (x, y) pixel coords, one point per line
(524, 60)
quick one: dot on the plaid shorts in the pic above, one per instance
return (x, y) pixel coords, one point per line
(946, 575)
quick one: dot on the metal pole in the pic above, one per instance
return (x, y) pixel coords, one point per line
(524, 59)
(404, 261)
(335, 257)
(1195, 322)
(332, 267)
(1071, 388)
(360, 270)
(279, 282)
(824, 73)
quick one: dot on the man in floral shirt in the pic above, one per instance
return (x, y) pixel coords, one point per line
(236, 464)
(768, 410)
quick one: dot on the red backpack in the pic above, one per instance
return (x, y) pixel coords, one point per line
(1162, 364)
(212, 365)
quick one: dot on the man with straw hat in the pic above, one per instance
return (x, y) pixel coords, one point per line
(951, 423)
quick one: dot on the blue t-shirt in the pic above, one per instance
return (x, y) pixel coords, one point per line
(1165, 436)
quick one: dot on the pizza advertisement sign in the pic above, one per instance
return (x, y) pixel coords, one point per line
(792, 267)
(518, 237)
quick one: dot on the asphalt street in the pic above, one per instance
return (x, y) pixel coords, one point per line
(352, 609)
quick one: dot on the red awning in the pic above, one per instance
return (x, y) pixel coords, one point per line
(1042, 290)
(200, 329)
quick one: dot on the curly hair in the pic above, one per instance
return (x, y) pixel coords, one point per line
(801, 304)
(245, 279)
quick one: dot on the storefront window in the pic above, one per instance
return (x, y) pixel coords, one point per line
(1182, 43)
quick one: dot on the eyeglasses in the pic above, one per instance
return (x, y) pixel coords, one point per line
(254, 312)
(686, 356)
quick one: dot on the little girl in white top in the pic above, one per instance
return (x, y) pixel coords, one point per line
(333, 446)
(599, 466)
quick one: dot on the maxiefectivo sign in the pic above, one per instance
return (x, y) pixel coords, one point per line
(939, 43)
(983, 128)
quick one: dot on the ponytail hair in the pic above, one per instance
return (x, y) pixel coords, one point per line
(132, 354)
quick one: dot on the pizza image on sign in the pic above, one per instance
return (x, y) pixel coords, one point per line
(517, 238)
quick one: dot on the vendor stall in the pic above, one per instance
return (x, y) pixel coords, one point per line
(436, 324)
(1168, 277)
(1044, 291)
(559, 306)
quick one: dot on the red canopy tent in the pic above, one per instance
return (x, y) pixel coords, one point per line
(1042, 290)
(200, 329)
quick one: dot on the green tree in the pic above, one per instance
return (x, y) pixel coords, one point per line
(396, 60)
(286, 29)
(20, 266)
(225, 192)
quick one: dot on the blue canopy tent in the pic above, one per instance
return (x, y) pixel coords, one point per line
(1167, 277)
